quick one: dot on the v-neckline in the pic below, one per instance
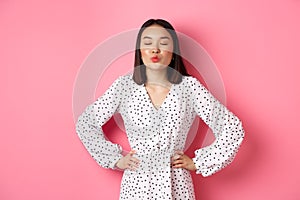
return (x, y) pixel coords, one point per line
(150, 100)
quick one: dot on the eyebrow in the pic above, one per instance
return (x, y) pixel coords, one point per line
(164, 37)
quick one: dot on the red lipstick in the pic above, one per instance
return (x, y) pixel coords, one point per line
(155, 59)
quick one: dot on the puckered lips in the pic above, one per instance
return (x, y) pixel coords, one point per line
(155, 59)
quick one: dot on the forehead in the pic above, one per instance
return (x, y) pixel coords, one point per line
(156, 31)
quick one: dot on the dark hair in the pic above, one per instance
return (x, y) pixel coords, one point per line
(176, 68)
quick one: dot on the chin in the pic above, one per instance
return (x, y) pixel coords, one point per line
(156, 66)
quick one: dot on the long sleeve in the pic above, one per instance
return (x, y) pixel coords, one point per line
(90, 122)
(227, 129)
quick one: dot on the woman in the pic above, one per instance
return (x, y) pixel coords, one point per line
(158, 104)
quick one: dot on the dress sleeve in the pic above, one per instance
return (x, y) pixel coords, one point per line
(226, 127)
(90, 122)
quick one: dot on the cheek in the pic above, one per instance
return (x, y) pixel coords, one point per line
(144, 55)
(167, 55)
(145, 52)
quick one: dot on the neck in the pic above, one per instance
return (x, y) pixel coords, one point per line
(157, 77)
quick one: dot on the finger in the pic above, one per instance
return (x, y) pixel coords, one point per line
(177, 162)
(179, 152)
(176, 157)
(179, 166)
(131, 152)
(136, 164)
(132, 167)
(135, 160)
(128, 166)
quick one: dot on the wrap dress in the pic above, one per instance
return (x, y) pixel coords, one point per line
(156, 133)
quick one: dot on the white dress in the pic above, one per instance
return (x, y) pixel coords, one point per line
(157, 133)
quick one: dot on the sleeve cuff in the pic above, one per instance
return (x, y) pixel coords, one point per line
(197, 166)
(114, 161)
(116, 158)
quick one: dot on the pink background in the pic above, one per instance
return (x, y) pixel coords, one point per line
(255, 45)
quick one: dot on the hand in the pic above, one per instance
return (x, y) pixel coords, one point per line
(128, 161)
(180, 160)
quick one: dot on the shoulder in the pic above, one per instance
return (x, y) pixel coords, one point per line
(193, 86)
(190, 81)
(124, 79)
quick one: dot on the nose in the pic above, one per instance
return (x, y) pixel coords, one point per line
(155, 50)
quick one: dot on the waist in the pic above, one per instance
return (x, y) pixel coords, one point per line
(154, 160)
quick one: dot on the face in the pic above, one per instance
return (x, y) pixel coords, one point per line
(156, 47)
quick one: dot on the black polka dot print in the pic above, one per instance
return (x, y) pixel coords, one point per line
(156, 133)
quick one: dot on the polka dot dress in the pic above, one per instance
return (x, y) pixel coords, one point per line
(156, 133)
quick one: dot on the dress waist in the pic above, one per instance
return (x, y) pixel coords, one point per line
(154, 160)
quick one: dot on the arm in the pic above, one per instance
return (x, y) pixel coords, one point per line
(226, 127)
(90, 122)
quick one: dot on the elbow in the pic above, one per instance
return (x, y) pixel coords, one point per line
(79, 126)
(241, 131)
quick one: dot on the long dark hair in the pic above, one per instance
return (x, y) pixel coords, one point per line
(176, 68)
